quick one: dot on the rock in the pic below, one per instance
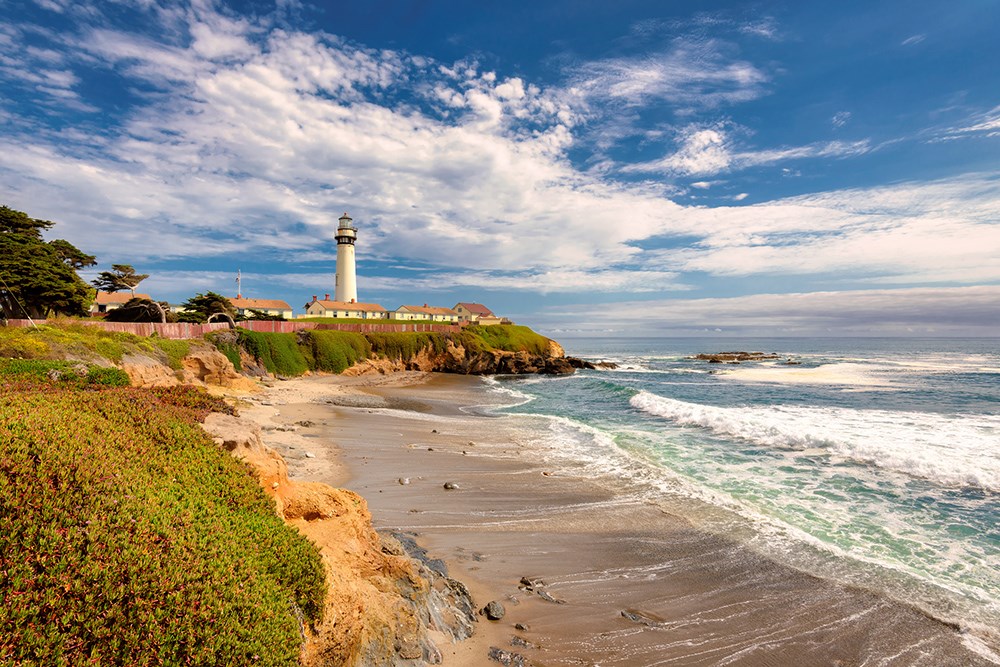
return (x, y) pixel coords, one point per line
(409, 648)
(306, 423)
(521, 642)
(507, 658)
(642, 618)
(310, 455)
(531, 583)
(548, 598)
(494, 611)
(451, 486)
(523, 627)
(720, 357)
(434, 430)
(403, 481)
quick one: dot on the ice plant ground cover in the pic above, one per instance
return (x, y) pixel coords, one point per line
(128, 537)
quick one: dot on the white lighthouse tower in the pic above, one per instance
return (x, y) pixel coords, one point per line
(346, 285)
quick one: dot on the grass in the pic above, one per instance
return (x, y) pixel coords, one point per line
(128, 537)
(278, 352)
(66, 338)
(63, 373)
(510, 337)
(333, 351)
(405, 345)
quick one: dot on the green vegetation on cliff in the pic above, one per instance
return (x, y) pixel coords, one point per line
(509, 337)
(128, 537)
(335, 351)
(69, 339)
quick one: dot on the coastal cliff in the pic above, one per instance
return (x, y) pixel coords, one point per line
(467, 360)
(381, 606)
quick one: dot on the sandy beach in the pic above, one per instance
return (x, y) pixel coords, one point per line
(589, 573)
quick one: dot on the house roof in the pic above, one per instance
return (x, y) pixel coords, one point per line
(428, 310)
(105, 298)
(347, 305)
(260, 304)
(477, 308)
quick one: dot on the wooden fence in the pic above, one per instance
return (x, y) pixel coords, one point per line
(182, 330)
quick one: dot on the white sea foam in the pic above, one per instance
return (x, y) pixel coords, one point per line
(847, 374)
(951, 450)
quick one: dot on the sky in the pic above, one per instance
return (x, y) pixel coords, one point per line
(586, 168)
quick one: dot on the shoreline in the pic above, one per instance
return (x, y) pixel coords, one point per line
(639, 586)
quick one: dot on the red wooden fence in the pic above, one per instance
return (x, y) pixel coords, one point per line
(181, 330)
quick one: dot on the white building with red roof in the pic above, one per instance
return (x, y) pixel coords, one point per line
(477, 313)
(425, 312)
(275, 307)
(350, 309)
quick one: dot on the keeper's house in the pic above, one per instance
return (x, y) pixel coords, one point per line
(342, 309)
(105, 302)
(275, 307)
(425, 312)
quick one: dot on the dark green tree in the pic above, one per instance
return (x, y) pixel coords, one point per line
(203, 306)
(261, 315)
(38, 278)
(120, 277)
(141, 310)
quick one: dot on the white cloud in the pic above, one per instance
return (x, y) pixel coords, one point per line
(913, 40)
(982, 124)
(706, 151)
(943, 232)
(261, 142)
(693, 73)
(741, 196)
(840, 118)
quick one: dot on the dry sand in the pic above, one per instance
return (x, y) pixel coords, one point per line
(689, 598)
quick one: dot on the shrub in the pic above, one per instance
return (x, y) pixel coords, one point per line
(128, 537)
(278, 352)
(511, 337)
(63, 373)
(174, 350)
(334, 351)
(405, 345)
(19, 344)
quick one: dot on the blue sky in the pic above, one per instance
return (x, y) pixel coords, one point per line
(583, 167)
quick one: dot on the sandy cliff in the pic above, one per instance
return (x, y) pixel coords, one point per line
(382, 607)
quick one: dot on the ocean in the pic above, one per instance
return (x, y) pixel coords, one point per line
(872, 462)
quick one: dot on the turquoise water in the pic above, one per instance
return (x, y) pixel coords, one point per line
(874, 462)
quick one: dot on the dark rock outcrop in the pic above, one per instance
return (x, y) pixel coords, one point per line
(729, 357)
(590, 365)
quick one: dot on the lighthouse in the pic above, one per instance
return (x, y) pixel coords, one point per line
(346, 285)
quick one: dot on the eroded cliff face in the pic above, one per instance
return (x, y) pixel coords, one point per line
(381, 604)
(203, 366)
(458, 359)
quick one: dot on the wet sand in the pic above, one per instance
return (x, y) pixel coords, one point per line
(688, 597)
